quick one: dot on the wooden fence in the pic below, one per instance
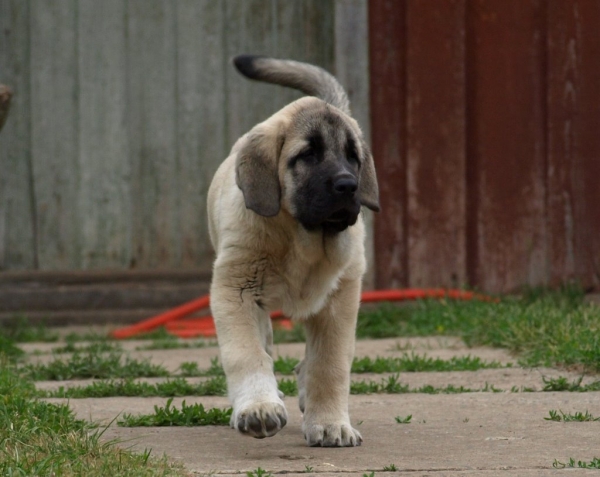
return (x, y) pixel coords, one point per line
(485, 118)
(123, 110)
(485, 129)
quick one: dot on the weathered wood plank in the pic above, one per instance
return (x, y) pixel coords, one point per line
(387, 63)
(574, 146)
(436, 143)
(17, 215)
(302, 31)
(153, 133)
(506, 144)
(288, 22)
(200, 119)
(352, 70)
(104, 158)
(5, 97)
(54, 132)
(249, 26)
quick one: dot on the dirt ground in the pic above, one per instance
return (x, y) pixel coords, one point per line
(470, 434)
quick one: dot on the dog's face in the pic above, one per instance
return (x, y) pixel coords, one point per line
(311, 160)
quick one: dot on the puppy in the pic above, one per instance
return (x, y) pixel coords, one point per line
(285, 222)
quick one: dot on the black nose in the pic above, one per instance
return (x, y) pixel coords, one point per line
(345, 184)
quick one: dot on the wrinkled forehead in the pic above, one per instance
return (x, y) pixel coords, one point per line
(323, 127)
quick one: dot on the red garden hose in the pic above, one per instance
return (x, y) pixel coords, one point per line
(205, 327)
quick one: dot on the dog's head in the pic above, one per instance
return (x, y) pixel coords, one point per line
(311, 160)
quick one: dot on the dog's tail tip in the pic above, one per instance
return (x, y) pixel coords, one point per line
(246, 64)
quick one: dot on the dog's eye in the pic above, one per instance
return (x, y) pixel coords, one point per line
(308, 156)
(352, 158)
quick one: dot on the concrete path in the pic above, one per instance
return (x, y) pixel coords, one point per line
(470, 434)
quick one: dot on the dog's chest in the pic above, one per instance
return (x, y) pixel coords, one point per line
(306, 282)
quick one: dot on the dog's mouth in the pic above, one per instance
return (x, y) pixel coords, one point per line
(340, 220)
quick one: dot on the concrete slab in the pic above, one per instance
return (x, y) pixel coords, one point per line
(475, 434)
(467, 434)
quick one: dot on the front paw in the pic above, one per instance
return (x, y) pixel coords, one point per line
(337, 434)
(260, 420)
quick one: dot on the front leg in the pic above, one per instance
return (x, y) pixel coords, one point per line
(325, 371)
(244, 334)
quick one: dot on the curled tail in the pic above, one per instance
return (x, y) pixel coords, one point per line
(307, 78)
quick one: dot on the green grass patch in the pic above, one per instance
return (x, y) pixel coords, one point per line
(177, 387)
(407, 363)
(128, 388)
(194, 415)
(175, 343)
(403, 420)
(563, 384)
(190, 369)
(559, 416)
(410, 363)
(543, 327)
(392, 385)
(20, 330)
(93, 364)
(289, 387)
(260, 473)
(39, 438)
(9, 349)
(94, 347)
(581, 464)
(217, 386)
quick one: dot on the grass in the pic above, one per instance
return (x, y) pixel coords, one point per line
(403, 420)
(128, 388)
(20, 330)
(410, 363)
(406, 363)
(8, 348)
(560, 416)
(194, 415)
(39, 438)
(174, 343)
(94, 347)
(543, 327)
(392, 385)
(93, 364)
(582, 464)
(562, 384)
(216, 386)
(190, 369)
(262, 473)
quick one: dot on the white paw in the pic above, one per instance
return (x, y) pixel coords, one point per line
(339, 434)
(261, 419)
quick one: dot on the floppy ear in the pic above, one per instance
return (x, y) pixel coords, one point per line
(256, 172)
(368, 190)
